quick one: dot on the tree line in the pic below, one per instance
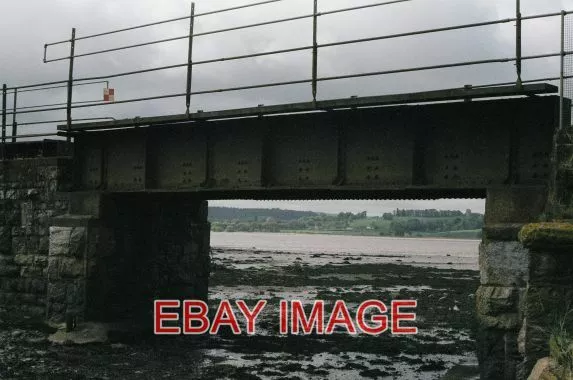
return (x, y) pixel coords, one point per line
(397, 223)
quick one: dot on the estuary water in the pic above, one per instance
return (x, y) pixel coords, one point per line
(441, 274)
(335, 249)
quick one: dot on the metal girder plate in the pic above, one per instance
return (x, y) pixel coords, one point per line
(92, 170)
(236, 154)
(304, 150)
(535, 138)
(467, 148)
(177, 158)
(380, 147)
(126, 161)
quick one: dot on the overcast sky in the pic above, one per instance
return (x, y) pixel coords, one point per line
(28, 24)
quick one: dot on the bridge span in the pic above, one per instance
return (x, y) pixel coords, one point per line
(348, 148)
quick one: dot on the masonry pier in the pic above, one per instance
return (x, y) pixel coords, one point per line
(126, 251)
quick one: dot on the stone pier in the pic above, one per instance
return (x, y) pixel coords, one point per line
(526, 288)
(114, 254)
(504, 278)
(526, 269)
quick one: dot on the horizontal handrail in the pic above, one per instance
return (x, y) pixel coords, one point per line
(277, 21)
(216, 31)
(63, 121)
(56, 104)
(34, 135)
(330, 78)
(302, 48)
(32, 87)
(162, 22)
(19, 89)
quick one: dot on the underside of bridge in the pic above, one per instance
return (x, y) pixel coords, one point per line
(137, 224)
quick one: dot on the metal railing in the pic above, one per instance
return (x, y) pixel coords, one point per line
(313, 79)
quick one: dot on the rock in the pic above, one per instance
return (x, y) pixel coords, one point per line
(503, 263)
(37, 340)
(462, 371)
(83, 334)
(32, 193)
(495, 300)
(547, 236)
(542, 371)
(67, 241)
(521, 338)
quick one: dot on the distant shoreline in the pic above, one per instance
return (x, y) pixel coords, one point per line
(451, 235)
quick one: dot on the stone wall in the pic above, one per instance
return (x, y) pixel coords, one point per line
(526, 283)
(94, 256)
(78, 244)
(549, 293)
(505, 266)
(30, 195)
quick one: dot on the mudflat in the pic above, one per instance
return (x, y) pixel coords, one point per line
(445, 320)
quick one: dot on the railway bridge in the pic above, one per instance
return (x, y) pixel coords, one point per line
(101, 224)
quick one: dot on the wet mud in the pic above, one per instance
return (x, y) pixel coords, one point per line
(446, 327)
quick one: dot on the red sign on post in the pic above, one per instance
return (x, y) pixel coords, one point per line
(108, 95)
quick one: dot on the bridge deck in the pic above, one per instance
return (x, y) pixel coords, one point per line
(358, 148)
(354, 102)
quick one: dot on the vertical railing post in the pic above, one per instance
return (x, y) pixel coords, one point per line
(14, 109)
(518, 42)
(3, 147)
(70, 84)
(190, 60)
(314, 50)
(562, 70)
(4, 95)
